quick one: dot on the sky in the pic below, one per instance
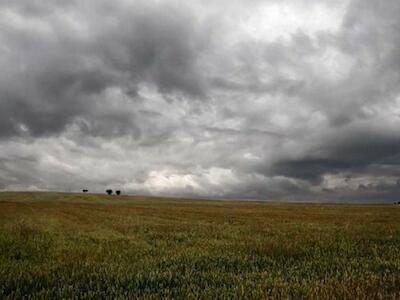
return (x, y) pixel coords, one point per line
(294, 100)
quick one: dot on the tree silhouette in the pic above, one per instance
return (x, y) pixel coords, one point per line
(109, 191)
(118, 192)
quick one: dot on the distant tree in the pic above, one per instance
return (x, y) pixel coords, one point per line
(85, 190)
(109, 191)
(118, 192)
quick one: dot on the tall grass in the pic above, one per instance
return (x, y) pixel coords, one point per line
(89, 246)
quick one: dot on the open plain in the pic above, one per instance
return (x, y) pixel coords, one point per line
(56, 245)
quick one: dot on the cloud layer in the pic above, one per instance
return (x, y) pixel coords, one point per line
(295, 100)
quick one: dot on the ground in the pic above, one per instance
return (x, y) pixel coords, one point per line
(55, 245)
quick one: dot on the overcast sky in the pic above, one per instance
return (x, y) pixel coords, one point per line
(288, 99)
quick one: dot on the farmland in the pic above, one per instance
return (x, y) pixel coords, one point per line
(55, 245)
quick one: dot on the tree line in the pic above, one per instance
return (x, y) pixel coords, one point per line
(108, 191)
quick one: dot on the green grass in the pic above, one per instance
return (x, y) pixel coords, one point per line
(55, 245)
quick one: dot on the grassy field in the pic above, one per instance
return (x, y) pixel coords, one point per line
(55, 245)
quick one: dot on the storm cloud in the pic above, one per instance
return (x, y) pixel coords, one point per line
(291, 100)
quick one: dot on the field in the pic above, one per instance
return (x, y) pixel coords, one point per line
(55, 245)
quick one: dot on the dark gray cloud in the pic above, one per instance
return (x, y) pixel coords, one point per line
(61, 58)
(296, 100)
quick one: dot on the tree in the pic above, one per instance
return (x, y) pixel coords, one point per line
(85, 190)
(118, 192)
(109, 191)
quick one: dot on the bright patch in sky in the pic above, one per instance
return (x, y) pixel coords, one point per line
(280, 20)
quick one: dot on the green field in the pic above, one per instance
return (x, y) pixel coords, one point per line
(55, 245)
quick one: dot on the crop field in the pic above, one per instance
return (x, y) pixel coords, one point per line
(55, 245)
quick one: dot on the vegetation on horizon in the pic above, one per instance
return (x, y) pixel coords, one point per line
(55, 245)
